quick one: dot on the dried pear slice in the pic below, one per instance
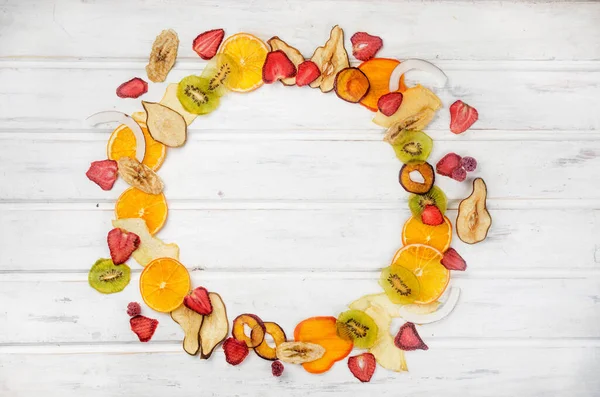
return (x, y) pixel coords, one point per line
(331, 58)
(150, 247)
(163, 55)
(292, 53)
(190, 322)
(474, 221)
(418, 108)
(171, 101)
(165, 125)
(140, 176)
(299, 352)
(215, 327)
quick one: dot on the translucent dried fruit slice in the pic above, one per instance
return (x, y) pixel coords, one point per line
(215, 327)
(378, 71)
(197, 96)
(330, 59)
(438, 237)
(412, 146)
(380, 300)
(249, 53)
(357, 326)
(163, 55)
(152, 208)
(165, 125)
(264, 350)
(299, 352)
(400, 285)
(163, 284)
(474, 221)
(292, 53)
(171, 101)
(419, 105)
(384, 350)
(425, 170)
(418, 202)
(122, 143)
(221, 73)
(351, 85)
(108, 278)
(140, 176)
(150, 247)
(256, 326)
(190, 322)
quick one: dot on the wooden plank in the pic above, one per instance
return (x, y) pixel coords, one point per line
(507, 99)
(449, 29)
(342, 239)
(47, 308)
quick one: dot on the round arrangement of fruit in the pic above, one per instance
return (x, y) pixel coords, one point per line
(414, 285)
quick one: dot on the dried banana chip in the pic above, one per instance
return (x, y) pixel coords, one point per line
(162, 57)
(331, 58)
(299, 352)
(140, 176)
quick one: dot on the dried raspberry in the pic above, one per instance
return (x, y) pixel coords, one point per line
(235, 351)
(133, 88)
(459, 174)
(469, 163)
(134, 309)
(277, 368)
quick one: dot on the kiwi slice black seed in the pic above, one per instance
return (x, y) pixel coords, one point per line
(413, 146)
(195, 96)
(400, 284)
(221, 72)
(108, 278)
(436, 196)
(359, 327)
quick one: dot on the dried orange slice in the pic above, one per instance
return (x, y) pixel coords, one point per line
(122, 144)
(164, 283)
(133, 203)
(249, 52)
(438, 237)
(425, 263)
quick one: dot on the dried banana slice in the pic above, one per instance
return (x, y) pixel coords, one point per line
(331, 58)
(140, 176)
(299, 352)
(162, 57)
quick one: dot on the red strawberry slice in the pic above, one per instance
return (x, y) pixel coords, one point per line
(462, 117)
(389, 103)
(235, 351)
(362, 366)
(199, 301)
(133, 88)
(103, 173)
(453, 261)
(207, 43)
(143, 327)
(365, 46)
(308, 71)
(448, 164)
(277, 66)
(121, 245)
(432, 216)
(408, 338)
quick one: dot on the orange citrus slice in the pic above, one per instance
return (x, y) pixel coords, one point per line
(425, 263)
(122, 143)
(133, 203)
(249, 52)
(438, 237)
(164, 283)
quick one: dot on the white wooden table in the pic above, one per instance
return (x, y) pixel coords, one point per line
(287, 203)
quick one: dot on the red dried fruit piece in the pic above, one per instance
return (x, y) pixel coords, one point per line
(432, 216)
(134, 309)
(447, 164)
(277, 66)
(143, 327)
(199, 301)
(408, 338)
(308, 71)
(277, 368)
(103, 173)
(459, 174)
(235, 351)
(389, 103)
(121, 245)
(133, 88)
(462, 117)
(207, 43)
(453, 261)
(365, 46)
(469, 163)
(362, 366)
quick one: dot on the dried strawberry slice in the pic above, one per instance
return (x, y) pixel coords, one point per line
(453, 261)
(277, 66)
(121, 245)
(389, 103)
(207, 43)
(432, 216)
(308, 71)
(199, 301)
(362, 366)
(235, 351)
(408, 338)
(133, 88)
(462, 117)
(103, 173)
(143, 327)
(448, 164)
(365, 46)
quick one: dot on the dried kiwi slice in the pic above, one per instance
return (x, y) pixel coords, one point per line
(359, 327)
(221, 72)
(436, 196)
(108, 278)
(195, 95)
(412, 146)
(400, 284)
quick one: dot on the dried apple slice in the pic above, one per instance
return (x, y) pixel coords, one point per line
(215, 327)
(384, 350)
(264, 350)
(292, 53)
(351, 85)
(150, 247)
(256, 326)
(190, 322)
(474, 221)
(331, 58)
(165, 125)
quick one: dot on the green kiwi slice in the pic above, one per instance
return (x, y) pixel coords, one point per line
(400, 285)
(359, 327)
(413, 146)
(108, 278)
(195, 96)
(436, 196)
(221, 73)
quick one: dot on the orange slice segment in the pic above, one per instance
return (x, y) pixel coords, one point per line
(122, 144)
(378, 71)
(164, 283)
(438, 237)
(249, 52)
(425, 263)
(133, 203)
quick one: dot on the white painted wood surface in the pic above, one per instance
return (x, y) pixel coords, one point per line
(286, 201)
